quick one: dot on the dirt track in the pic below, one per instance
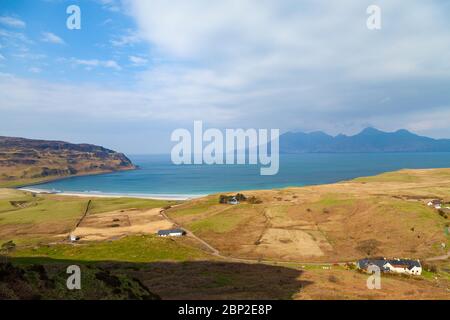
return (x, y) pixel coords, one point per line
(109, 225)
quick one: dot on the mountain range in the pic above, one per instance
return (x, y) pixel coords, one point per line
(368, 140)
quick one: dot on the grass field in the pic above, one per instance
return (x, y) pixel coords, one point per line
(28, 219)
(129, 249)
(385, 215)
(326, 223)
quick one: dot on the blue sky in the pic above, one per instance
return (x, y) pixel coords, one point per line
(105, 50)
(139, 69)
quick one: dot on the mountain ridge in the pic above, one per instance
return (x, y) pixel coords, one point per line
(368, 140)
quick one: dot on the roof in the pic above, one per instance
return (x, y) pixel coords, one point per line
(381, 263)
(170, 231)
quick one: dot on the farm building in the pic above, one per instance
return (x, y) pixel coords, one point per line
(171, 233)
(412, 267)
(435, 203)
(73, 238)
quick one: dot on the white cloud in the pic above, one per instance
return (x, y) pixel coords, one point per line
(138, 61)
(130, 38)
(111, 5)
(51, 38)
(313, 61)
(2, 57)
(14, 37)
(97, 63)
(302, 65)
(12, 22)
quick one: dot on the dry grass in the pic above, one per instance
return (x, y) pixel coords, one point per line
(328, 222)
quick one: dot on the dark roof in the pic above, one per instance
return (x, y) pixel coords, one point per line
(406, 263)
(169, 231)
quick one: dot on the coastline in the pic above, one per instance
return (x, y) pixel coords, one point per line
(181, 197)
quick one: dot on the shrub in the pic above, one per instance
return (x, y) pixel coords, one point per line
(254, 200)
(333, 279)
(240, 197)
(368, 247)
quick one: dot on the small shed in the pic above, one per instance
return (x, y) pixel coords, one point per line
(73, 238)
(171, 233)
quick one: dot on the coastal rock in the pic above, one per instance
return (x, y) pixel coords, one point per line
(38, 160)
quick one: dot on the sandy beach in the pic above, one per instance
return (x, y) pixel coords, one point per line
(114, 195)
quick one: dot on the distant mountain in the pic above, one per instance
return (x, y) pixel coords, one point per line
(368, 140)
(28, 161)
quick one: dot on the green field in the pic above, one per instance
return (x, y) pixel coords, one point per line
(29, 219)
(137, 249)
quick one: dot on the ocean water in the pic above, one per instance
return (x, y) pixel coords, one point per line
(158, 176)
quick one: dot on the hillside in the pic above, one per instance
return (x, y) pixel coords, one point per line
(24, 161)
(47, 282)
(385, 215)
(281, 245)
(368, 140)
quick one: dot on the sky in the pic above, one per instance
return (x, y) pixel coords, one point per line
(139, 69)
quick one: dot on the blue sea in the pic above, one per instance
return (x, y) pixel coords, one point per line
(157, 176)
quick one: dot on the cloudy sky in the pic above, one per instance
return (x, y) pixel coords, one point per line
(139, 69)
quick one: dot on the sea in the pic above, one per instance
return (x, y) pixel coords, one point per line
(158, 177)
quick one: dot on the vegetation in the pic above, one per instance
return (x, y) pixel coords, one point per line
(45, 218)
(368, 247)
(337, 222)
(129, 249)
(328, 223)
(36, 282)
(226, 199)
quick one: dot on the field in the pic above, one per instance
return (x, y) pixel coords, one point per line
(28, 218)
(384, 215)
(285, 247)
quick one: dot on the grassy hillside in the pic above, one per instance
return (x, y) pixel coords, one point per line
(139, 249)
(27, 161)
(385, 215)
(37, 281)
(382, 215)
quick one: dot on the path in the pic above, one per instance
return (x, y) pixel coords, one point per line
(217, 253)
(443, 257)
(86, 211)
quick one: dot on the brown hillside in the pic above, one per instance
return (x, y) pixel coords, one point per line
(25, 161)
(385, 215)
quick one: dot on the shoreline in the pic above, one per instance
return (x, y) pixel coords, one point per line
(173, 197)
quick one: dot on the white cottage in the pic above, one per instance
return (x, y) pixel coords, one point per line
(407, 266)
(437, 204)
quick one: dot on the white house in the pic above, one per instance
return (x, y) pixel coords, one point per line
(407, 266)
(171, 233)
(233, 201)
(435, 203)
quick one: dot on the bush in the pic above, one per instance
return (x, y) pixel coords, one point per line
(240, 197)
(430, 267)
(254, 200)
(333, 279)
(225, 199)
(443, 214)
(368, 247)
